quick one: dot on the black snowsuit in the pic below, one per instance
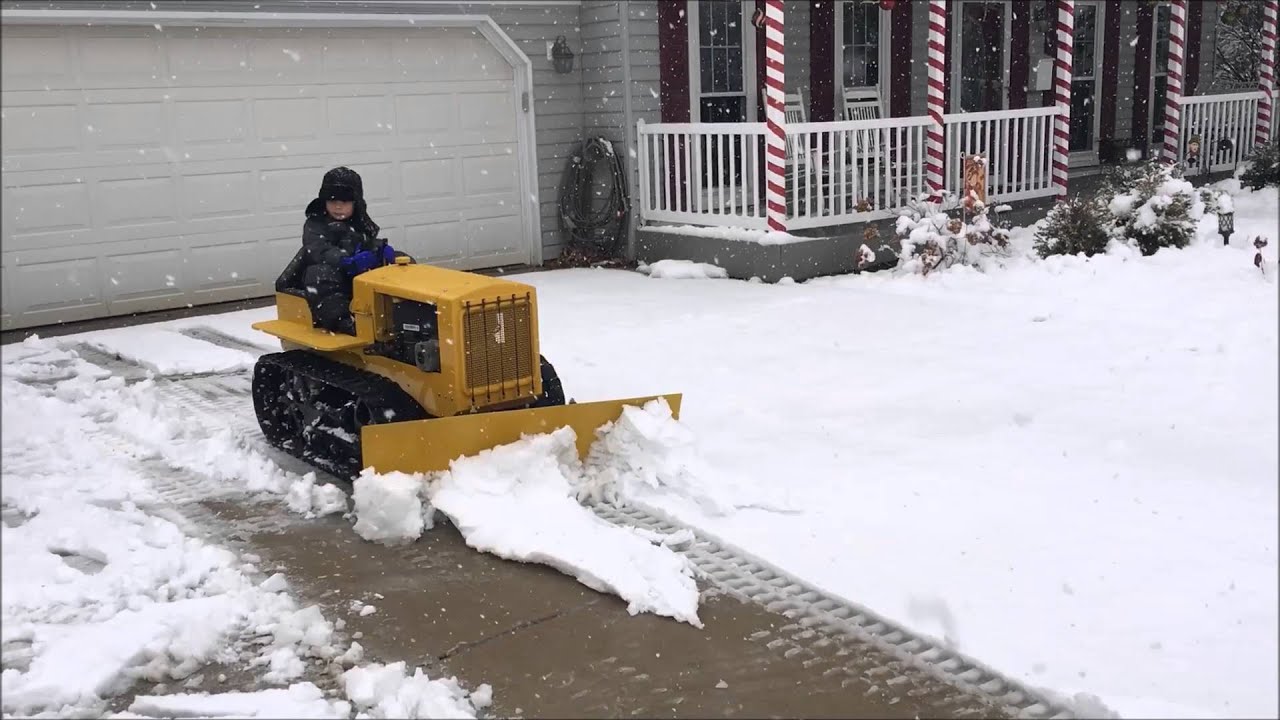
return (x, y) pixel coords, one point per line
(326, 242)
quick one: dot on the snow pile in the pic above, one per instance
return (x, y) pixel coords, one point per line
(387, 691)
(683, 270)
(301, 700)
(389, 508)
(646, 455)
(152, 427)
(517, 502)
(100, 591)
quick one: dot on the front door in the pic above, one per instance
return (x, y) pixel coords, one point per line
(979, 62)
(1086, 72)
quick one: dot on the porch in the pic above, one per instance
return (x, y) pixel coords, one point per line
(702, 185)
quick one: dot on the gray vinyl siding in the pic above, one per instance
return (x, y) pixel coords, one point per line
(557, 100)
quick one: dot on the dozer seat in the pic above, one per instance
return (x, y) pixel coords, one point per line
(290, 279)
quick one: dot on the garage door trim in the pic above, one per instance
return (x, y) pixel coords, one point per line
(519, 61)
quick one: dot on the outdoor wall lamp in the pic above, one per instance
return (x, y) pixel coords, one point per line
(1226, 225)
(562, 56)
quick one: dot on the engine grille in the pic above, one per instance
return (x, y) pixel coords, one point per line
(499, 348)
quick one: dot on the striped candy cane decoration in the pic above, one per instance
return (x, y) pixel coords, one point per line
(775, 116)
(937, 59)
(1062, 94)
(1173, 94)
(1266, 72)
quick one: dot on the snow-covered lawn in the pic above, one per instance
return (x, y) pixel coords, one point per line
(1066, 468)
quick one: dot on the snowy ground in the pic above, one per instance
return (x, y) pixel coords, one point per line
(1066, 468)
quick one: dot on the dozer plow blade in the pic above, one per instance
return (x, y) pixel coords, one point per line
(430, 445)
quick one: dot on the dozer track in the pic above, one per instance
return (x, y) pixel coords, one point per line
(313, 408)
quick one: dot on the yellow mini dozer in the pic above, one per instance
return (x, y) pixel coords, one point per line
(443, 364)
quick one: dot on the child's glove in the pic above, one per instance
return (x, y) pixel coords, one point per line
(358, 263)
(388, 255)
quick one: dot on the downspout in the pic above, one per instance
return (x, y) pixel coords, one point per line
(628, 125)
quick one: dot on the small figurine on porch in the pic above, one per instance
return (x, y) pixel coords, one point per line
(1192, 159)
(974, 188)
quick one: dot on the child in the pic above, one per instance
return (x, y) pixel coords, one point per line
(339, 241)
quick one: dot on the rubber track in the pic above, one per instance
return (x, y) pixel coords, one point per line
(818, 618)
(387, 395)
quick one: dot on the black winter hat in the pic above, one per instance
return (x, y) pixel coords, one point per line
(342, 183)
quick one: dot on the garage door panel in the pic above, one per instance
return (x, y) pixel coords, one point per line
(41, 129)
(200, 122)
(288, 189)
(121, 62)
(143, 275)
(117, 203)
(210, 55)
(428, 179)
(46, 208)
(119, 126)
(288, 119)
(355, 56)
(487, 237)
(368, 115)
(55, 285)
(217, 195)
(228, 265)
(433, 243)
(489, 174)
(424, 113)
(486, 111)
(42, 62)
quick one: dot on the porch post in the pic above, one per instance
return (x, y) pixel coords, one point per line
(775, 116)
(1062, 94)
(1266, 73)
(937, 58)
(1173, 91)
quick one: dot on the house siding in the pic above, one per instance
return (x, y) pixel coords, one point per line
(557, 101)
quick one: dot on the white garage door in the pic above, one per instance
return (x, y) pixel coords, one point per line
(156, 167)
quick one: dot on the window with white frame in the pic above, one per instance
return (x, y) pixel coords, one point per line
(861, 52)
(722, 57)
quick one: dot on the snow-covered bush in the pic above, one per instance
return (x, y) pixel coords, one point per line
(1079, 225)
(1152, 208)
(1264, 168)
(931, 238)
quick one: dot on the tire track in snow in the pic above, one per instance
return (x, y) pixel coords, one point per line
(819, 617)
(824, 625)
(217, 337)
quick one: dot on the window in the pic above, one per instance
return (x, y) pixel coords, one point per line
(722, 56)
(860, 43)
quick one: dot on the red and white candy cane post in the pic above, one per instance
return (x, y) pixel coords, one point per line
(775, 117)
(1173, 91)
(937, 58)
(1267, 72)
(1062, 94)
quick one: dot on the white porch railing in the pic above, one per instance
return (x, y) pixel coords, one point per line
(1019, 149)
(853, 170)
(1228, 120)
(837, 172)
(702, 173)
